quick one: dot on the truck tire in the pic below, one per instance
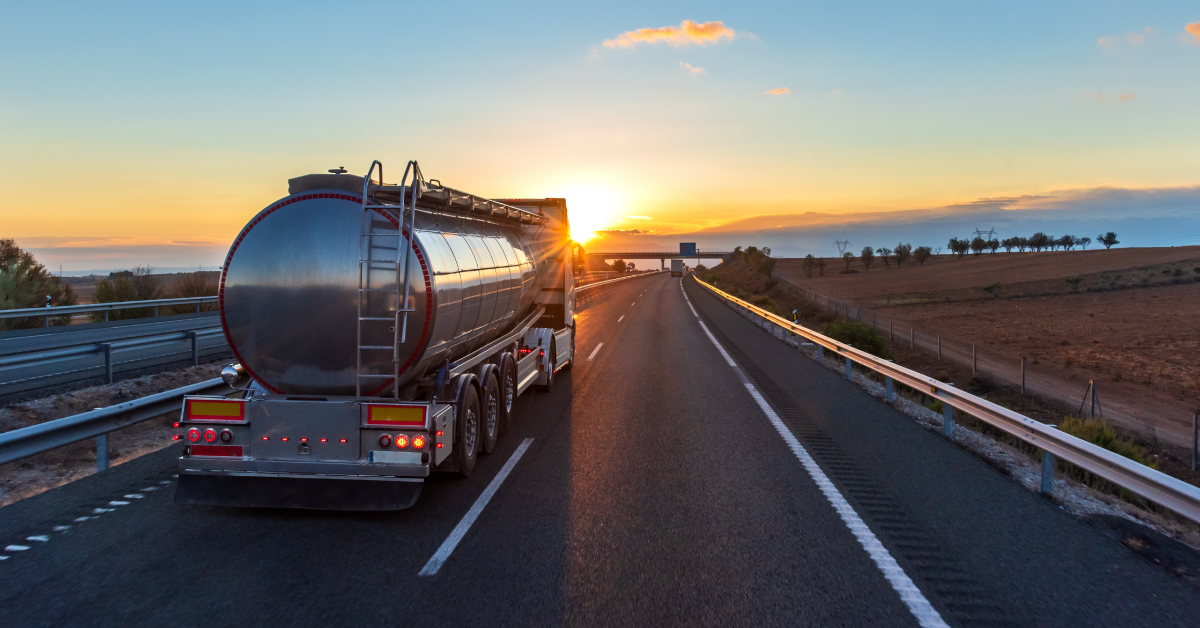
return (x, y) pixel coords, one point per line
(489, 416)
(508, 390)
(466, 432)
(550, 369)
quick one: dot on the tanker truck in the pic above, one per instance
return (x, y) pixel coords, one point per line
(382, 332)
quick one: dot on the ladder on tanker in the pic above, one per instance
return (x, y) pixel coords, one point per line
(393, 261)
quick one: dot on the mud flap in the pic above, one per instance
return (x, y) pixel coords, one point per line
(308, 493)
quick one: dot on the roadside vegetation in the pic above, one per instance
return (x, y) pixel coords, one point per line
(24, 283)
(140, 285)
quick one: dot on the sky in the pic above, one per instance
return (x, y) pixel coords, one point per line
(150, 133)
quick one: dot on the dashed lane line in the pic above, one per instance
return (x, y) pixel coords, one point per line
(621, 319)
(456, 535)
(924, 612)
(595, 351)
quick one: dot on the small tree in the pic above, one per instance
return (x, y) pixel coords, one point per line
(127, 285)
(1108, 240)
(978, 245)
(1067, 242)
(1009, 244)
(619, 265)
(810, 264)
(884, 252)
(867, 257)
(958, 246)
(847, 257)
(921, 254)
(1022, 243)
(993, 244)
(1038, 241)
(821, 264)
(902, 253)
(1084, 242)
(24, 283)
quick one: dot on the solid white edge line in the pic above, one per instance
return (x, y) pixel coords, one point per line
(917, 604)
(595, 351)
(443, 553)
(621, 319)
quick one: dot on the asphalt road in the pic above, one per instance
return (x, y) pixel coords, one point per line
(655, 491)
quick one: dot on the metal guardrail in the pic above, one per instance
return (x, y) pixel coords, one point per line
(43, 437)
(62, 310)
(1156, 486)
(587, 291)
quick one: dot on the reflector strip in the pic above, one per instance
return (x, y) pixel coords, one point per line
(217, 450)
(215, 410)
(396, 415)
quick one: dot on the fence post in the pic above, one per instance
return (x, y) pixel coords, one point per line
(891, 330)
(106, 348)
(912, 338)
(974, 361)
(1047, 473)
(947, 420)
(102, 452)
(939, 346)
(820, 354)
(849, 370)
(1022, 375)
(891, 394)
(194, 337)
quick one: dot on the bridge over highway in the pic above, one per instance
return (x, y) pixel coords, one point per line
(662, 256)
(689, 469)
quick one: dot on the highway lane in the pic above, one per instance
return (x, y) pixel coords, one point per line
(654, 491)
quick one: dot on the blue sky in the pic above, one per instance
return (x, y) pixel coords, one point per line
(148, 128)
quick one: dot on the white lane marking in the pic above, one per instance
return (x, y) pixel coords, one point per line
(166, 482)
(134, 496)
(633, 304)
(595, 351)
(16, 548)
(439, 557)
(118, 503)
(150, 488)
(81, 519)
(100, 511)
(3, 558)
(40, 538)
(621, 319)
(918, 605)
(61, 528)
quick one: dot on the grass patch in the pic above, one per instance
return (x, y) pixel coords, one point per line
(860, 336)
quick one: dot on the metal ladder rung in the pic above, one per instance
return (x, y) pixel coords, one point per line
(389, 291)
(377, 318)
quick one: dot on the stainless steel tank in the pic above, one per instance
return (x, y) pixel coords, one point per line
(290, 285)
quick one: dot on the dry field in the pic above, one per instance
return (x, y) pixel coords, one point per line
(1131, 321)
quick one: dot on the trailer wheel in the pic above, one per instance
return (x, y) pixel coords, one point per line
(550, 370)
(508, 390)
(466, 446)
(489, 419)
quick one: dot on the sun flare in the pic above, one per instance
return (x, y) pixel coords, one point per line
(591, 208)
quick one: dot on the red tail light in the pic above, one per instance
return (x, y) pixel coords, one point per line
(401, 441)
(418, 442)
(226, 436)
(177, 437)
(210, 436)
(193, 435)
(385, 440)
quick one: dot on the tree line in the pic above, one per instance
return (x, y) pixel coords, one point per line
(1037, 242)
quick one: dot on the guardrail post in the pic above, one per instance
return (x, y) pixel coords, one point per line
(156, 310)
(102, 452)
(106, 316)
(195, 338)
(947, 420)
(820, 354)
(1047, 473)
(197, 308)
(891, 394)
(849, 370)
(106, 348)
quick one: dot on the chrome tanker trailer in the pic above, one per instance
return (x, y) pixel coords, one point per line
(382, 332)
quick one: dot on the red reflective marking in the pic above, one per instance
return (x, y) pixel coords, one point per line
(266, 438)
(177, 437)
(216, 450)
(284, 439)
(343, 440)
(304, 440)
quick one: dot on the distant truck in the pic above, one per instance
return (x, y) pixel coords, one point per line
(676, 268)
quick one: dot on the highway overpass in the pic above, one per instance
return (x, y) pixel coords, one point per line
(689, 469)
(659, 255)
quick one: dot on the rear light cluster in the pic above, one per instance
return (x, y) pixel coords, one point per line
(403, 441)
(210, 435)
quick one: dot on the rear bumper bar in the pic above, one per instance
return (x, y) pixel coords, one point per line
(282, 490)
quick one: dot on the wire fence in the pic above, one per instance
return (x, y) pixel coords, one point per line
(1080, 396)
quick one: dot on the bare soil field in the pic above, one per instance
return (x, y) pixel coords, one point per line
(43, 472)
(1131, 321)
